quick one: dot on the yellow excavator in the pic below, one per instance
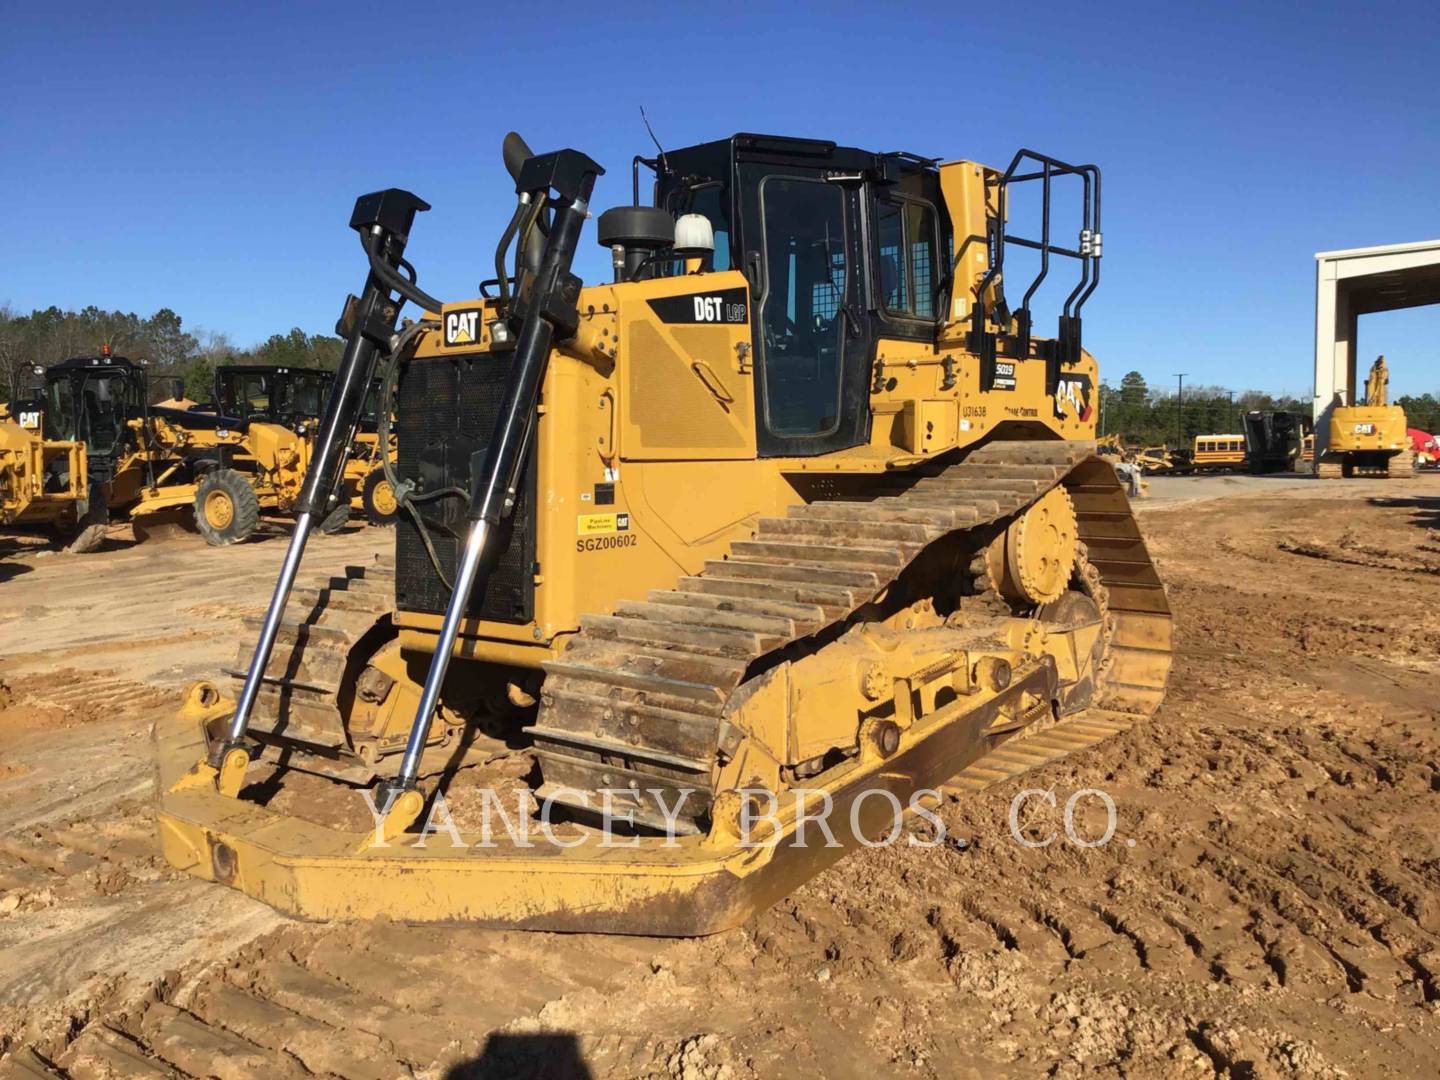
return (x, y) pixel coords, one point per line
(795, 520)
(1372, 439)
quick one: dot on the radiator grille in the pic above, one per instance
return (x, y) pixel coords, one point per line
(447, 409)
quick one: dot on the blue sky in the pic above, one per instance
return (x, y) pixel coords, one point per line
(205, 156)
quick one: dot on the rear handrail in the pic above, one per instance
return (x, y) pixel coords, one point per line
(1067, 346)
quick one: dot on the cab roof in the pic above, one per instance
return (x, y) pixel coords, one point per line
(87, 363)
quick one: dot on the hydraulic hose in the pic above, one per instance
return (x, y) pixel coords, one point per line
(400, 354)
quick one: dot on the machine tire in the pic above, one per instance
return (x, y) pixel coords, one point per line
(333, 523)
(226, 508)
(92, 527)
(378, 499)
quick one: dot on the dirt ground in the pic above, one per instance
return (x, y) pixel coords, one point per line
(1268, 906)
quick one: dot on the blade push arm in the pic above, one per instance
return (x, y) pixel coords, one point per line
(383, 220)
(542, 312)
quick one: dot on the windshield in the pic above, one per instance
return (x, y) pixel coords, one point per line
(89, 408)
(243, 394)
(303, 396)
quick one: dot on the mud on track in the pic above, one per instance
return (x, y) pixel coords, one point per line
(1277, 914)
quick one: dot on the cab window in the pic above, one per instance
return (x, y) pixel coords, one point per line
(802, 314)
(709, 199)
(909, 241)
(254, 394)
(307, 397)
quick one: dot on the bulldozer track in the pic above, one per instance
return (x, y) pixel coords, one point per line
(376, 1004)
(80, 855)
(300, 695)
(638, 697)
(1401, 466)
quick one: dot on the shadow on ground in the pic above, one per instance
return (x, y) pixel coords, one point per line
(548, 1056)
(1427, 508)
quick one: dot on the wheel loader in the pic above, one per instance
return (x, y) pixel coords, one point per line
(1368, 440)
(794, 520)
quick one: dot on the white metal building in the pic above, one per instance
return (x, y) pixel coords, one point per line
(1352, 283)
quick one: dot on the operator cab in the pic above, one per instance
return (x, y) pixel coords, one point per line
(282, 395)
(28, 409)
(90, 399)
(841, 247)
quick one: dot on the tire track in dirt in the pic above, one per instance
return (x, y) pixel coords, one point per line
(1276, 914)
(92, 921)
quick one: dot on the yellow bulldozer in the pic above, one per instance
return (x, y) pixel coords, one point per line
(1371, 439)
(795, 520)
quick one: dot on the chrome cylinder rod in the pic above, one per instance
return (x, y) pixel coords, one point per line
(276, 611)
(465, 576)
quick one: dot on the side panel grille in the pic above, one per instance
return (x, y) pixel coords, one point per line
(447, 409)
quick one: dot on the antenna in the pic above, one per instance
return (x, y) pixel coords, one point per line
(646, 120)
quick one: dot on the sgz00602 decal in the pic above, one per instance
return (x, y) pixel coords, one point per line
(606, 543)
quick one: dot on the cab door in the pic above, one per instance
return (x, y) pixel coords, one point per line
(803, 258)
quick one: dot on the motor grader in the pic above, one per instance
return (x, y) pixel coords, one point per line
(796, 518)
(1368, 440)
(43, 482)
(295, 398)
(152, 463)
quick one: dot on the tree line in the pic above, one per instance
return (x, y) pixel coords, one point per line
(171, 350)
(1138, 413)
(1144, 416)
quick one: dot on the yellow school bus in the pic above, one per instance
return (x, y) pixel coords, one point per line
(1219, 452)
